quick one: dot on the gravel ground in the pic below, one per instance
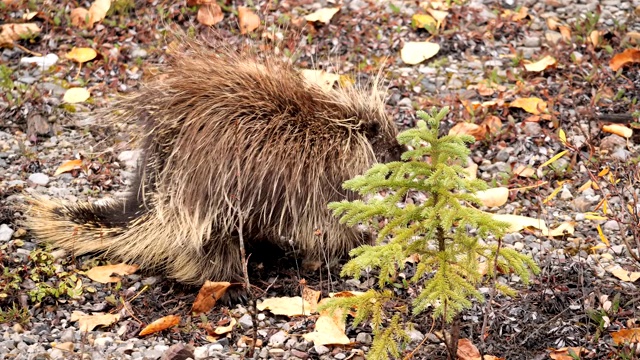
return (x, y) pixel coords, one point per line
(38, 133)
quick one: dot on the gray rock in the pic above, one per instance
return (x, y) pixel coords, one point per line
(364, 338)
(138, 53)
(5, 232)
(129, 158)
(103, 341)
(415, 336)
(278, 339)
(245, 321)
(321, 349)
(39, 179)
(611, 225)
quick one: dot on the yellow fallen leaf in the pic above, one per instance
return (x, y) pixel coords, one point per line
(321, 78)
(221, 330)
(622, 274)
(81, 55)
(562, 136)
(493, 197)
(209, 293)
(288, 306)
(311, 296)
(76, 95)
(415, 52)
(466, 128)
(160, 324)
(68, 166)
(595, 37)
(566, 353)
(471, 171)
(329, 330)
(12, 32)
(519, 222)
(98, 10)
(89, 322)
(625, 57)
(423, 21)
(532, 105)
(248, 20)
(594, 216)
(552, 195)
(103, 274)
(618, 129)
(565, 32)
(29, 15)
(323, 15)
(566, 228)
(602, 236)
(439, 15)
(626, 336)
(541, 64)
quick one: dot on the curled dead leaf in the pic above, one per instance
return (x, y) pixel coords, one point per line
(80, 17)
(618, 129)
(209, 293)
(210, 14)
(625, 57)
(626, 336)
(321, 78)
(492, 124)
(160, 324)
(532, 105)
(98, 11)
(465, 128)
(423, 21)
(81, 55)
(329, 329)
(68, 166)
(467, 351)
(89, 322)
(13, 32)
(493, 197)
(288, 306)
(519, 222)
(248, 20)
(76, 95)
(104, 274)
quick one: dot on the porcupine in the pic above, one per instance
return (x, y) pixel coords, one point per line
(225, 137)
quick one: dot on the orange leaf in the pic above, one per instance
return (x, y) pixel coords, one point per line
(467, 351)
(80, 17)
(492, 124)
(465, 128)
(625, 57)
(247, 20)
(209, 293)
(626, 336)
(68, 166)
(566, 33)
(210, 14)
(103, 274)
(618, 129)
(98, 10)
(161, 324)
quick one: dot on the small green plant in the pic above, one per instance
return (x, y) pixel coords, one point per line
(14, 315)
(446, 233)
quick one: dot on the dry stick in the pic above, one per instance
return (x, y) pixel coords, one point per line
(492, 293)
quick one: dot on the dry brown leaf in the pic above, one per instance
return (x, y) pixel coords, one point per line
(329, 330)
(626, 336)
(248, 20)
(532, 105)
(81, 55)
(346, 294)
(541, 64)
(566, 353)
(467, 351)
(552, 23)
(465, 128)
(98, 10)
(323, 15)
(209, 293)
(521, 14)
(625, 57)
(321, 78)
(439, 15)
(566, 228)
(68, 166)
(89, 322)
(493, 197)
(622, 274)
(311, 296)
(471, 171)
(492, 124)
(221, 330)
(491, 357)
(198, 2)
(633, 37)
(80, 17)
(618, 129)
(210, 14)
(103, 274)
(29, 15)
(565, 32)
(288, 306)
(160, 324)
(519, 222)
(423, 21)
(76, 95)
(415, 52)
(13, 32)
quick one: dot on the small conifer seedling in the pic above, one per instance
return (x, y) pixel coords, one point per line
(448, 233)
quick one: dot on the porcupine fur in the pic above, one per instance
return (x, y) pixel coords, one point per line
(226, 136)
